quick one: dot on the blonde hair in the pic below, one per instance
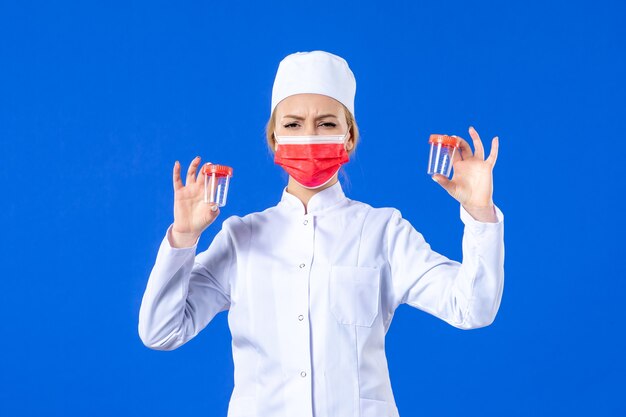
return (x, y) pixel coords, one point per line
(352, 126)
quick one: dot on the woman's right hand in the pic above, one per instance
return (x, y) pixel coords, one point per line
(191, 214)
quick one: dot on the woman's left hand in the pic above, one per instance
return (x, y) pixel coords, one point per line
(472, 182)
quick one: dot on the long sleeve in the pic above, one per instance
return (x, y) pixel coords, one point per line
(185, 291)
(466, 295)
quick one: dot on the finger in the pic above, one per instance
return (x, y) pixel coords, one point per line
(478, 144)
(178, 183)
(465, 148)
(451, 187)
(457, 156)
(447, 185)
(191, 171)
(493, 155)
(212, 213)
(201, 170)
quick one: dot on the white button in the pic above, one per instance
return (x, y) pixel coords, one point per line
(302, 265)
(305, 222)
(300, 317)
(302, 374)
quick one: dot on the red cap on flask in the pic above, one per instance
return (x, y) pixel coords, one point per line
(218, 170)
(445, 140)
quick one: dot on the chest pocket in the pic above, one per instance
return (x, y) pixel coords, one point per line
(353, 294)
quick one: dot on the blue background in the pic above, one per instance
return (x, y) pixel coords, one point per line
(98, 99)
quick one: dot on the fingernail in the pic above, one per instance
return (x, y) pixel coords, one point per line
(434, 179)
(213, 208)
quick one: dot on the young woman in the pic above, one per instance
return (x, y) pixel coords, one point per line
(311, 285)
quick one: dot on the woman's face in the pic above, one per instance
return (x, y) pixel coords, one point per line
(311, 114)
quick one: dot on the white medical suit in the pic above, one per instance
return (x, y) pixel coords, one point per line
(311, 296)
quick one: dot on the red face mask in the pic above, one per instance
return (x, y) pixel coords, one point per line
(311, 160)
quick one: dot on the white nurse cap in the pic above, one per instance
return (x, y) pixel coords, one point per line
(316, 72)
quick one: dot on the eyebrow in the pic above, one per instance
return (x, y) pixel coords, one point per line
(323, 116)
